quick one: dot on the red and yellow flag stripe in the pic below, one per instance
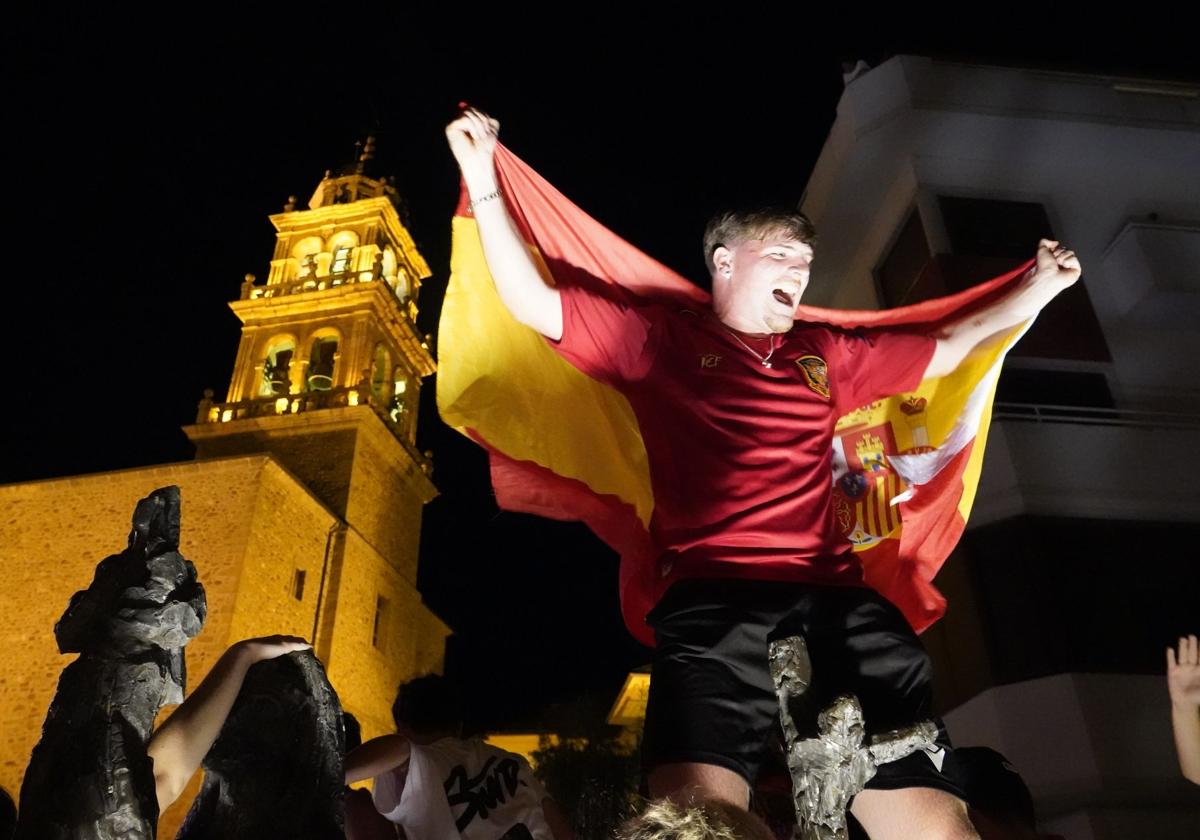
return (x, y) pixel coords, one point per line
(565, 446)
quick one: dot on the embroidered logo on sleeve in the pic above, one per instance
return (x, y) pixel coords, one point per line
(816, 374)
(710, 360)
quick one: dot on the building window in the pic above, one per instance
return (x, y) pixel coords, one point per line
(298, 584)
(308, 268)
(341, 261)
(378, 626)
(400, 396)
(402, 285)
(303, 257)
(1037, 386)
(321, 363)
(389, 265)
(381, 374)
(987, 227)
(403, 407)
(989, 237)
(277, 368)
(905, 275)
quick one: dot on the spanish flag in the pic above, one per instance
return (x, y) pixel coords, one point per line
(566, 446)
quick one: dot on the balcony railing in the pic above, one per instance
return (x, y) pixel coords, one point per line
(284, 404)
(313, 283)
(1088, 415)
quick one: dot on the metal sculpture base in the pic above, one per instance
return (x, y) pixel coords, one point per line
(828, 770)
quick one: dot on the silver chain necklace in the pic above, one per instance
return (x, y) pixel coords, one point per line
(766, 360)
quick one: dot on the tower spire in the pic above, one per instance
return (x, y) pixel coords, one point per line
(340, 299)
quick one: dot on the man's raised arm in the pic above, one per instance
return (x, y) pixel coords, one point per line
(531, 301)
(1056, 269)
(1183, 682)
(180, 744)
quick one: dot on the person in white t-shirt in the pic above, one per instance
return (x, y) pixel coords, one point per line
(437, 785)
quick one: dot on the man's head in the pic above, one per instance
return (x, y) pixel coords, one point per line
(705, 820)
(427, 707)
(759, 261)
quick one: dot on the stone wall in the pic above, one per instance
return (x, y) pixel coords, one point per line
(249, 526)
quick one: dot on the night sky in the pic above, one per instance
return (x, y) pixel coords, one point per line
(144, 169)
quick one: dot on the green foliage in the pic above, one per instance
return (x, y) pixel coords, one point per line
(594, 780)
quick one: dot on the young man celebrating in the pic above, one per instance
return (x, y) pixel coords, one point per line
(434, 783)
(737, 405)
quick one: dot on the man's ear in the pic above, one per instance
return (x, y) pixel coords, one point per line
(722, 260)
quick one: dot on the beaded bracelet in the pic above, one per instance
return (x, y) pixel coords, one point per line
(483, 198)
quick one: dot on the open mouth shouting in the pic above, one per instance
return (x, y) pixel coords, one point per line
(788, 296)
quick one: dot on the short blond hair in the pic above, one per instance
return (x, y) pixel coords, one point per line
(735, 226)
(667, 820)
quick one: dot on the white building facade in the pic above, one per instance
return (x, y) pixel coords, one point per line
(1080, 562)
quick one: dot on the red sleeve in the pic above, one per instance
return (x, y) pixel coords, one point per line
(870, 364)
(606, 338)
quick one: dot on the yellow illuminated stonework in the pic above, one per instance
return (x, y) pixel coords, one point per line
(629, 710)
(302, 510)
(522, 743)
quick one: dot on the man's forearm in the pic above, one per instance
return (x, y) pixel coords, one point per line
(376, 756)
(958, 338)
(518, 282)
(180, 744)
(1185, 722)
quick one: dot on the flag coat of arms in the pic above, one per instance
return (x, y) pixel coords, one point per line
(565, 446)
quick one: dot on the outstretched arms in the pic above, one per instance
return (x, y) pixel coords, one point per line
(180, 744)
(526, 295)
(1056, 269)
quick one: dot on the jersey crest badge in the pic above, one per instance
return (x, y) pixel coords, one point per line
(816, 374)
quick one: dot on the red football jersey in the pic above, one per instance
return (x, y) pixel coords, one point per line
(739, 452)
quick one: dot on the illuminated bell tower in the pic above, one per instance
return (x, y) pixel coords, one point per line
(328, 372)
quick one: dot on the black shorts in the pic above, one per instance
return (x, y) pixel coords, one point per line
(711, 695)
